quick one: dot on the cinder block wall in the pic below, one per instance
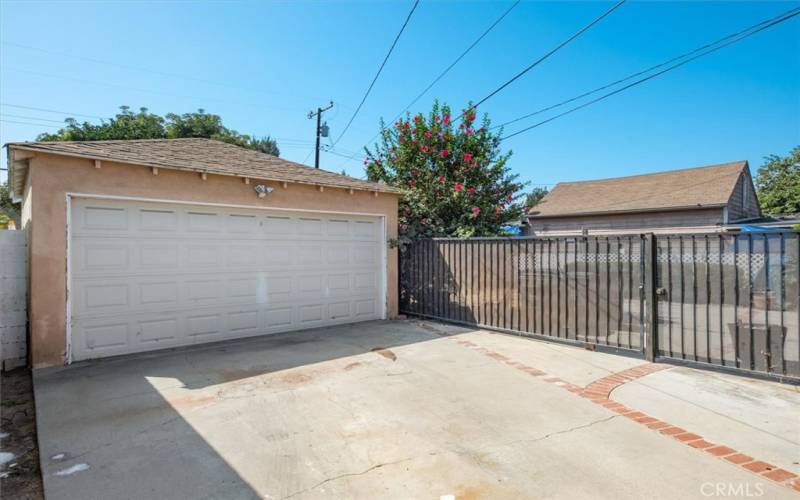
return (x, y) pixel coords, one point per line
(13, 299)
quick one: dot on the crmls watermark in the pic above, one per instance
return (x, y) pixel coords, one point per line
(732, 490)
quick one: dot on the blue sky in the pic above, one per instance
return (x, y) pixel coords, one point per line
(263, 65)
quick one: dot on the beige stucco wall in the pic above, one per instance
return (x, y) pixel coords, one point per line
(52, 177)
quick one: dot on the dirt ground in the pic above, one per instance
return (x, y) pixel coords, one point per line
(20, 476)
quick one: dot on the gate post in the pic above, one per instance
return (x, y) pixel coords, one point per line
(651, 297)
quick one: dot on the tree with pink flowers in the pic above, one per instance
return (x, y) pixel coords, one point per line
(452, 174)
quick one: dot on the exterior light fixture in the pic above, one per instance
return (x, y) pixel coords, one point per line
(263, 190)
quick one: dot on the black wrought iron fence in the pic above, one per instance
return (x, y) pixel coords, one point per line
(720, 299)
(730, 300)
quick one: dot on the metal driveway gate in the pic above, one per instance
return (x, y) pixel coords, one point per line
(719, 299)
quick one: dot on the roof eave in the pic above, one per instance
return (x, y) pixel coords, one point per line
(382, 189)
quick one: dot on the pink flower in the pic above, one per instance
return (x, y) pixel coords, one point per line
(428, 133)
(469, 131)
(471, 191)
(458, 187)
(402, 140)
(467, 156)
(509, 198)
(425, 149)
(476, 211)
(446, 119)
(441, 179)
(443, 153)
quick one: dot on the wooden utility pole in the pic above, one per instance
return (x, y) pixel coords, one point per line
(318, 114)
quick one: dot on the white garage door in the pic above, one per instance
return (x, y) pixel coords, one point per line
(146, 276)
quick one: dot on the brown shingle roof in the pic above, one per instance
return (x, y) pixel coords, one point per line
(709, 186)
(202, 155)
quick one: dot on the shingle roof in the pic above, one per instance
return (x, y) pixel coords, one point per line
(709, 186)
(202, 155)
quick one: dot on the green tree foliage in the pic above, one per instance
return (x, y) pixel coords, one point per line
(127, 125)
(535, 196)
(778, 183)
(8, 209)
(454, 179)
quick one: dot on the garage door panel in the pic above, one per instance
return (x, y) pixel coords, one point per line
(146, 276)
(242, 224)
(105, 218)
(162, 256)
(104, 336)
(158, 220)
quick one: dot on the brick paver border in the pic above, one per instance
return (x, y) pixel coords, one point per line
(599, 392)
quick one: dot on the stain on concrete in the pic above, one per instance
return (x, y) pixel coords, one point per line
(295, 377)
(352, 366)
(386, 353)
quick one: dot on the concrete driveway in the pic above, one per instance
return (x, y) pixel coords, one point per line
(405, 410)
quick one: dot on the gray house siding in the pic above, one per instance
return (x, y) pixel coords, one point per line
(743, 203)
(631, 222)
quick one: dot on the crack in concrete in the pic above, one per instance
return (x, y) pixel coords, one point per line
(556, 433)
(341, 476)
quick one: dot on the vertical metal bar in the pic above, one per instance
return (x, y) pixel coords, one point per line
(750, 301)
(767, 290)
(651, 298)
(596, 289)
(783, 300)
(630, 289)
(608, 289)
(575, 280)
(721, 301)
(620, 290)
(708, 301)
(527, 284)
(669, 296)
(683, 294)
(517, 274)
(482, 245)
(694, 298)
(540, 259)
(496, 283)
(586, 288)
(558, 288)
(736, 300)
(472, 288)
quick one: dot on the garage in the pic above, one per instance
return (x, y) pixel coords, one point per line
(146, 276)
(139, 246)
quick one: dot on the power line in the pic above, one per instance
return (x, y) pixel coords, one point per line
(779, 19)
(51, 111)
(28, 123)
(369, 89)
(31, 118)
(634, 75)
(548, 54)
(456, 61)
(541, 59)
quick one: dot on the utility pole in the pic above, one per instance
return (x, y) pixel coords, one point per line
(322, 130)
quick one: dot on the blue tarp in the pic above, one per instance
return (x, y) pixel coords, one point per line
(512, 230)
(748, 228)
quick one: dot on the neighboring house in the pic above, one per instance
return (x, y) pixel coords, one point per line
(150, 244)
(689, 200)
